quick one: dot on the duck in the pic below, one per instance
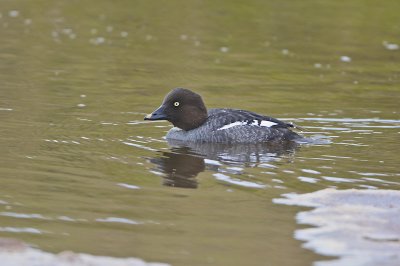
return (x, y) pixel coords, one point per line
(193, 122)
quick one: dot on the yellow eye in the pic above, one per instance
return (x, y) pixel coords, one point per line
(176, 104)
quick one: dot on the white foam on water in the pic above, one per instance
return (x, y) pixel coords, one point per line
(361, 227)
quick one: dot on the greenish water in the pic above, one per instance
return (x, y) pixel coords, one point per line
(78, 77)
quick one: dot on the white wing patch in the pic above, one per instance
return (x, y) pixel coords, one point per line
(234, 124)
(264, 123)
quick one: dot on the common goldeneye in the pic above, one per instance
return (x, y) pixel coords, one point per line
(187, 112)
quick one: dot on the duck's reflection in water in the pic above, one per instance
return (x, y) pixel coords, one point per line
(180, 167)
(186, 160)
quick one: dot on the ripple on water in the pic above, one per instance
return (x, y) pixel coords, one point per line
(352, 120)
(66, 218)
(310, 171)
(63, 141)
(308, 179)
(117, 220)
(15, 252)
(368, 174)
(138, 146)
(128, 186)
(212, 162)
(361, 126)
(362, 227)
(340, 179)
(380, 180)
(40, 217)
(29, 230)
(24, 215)
(238, 182)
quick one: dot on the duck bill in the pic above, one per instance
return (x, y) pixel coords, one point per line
(157, 115)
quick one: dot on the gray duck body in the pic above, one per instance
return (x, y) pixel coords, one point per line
(235, 126)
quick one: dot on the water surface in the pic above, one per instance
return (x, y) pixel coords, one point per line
(82, 171)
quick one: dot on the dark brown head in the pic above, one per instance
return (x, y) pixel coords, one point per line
(183, 108)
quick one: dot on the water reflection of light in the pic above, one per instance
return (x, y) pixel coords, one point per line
(24, 215)
(128, 186)
(16, 252)
(358, 226)
(308, 179)
(340, 179)
(29, 230)
(117, 220)
(236, 181)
